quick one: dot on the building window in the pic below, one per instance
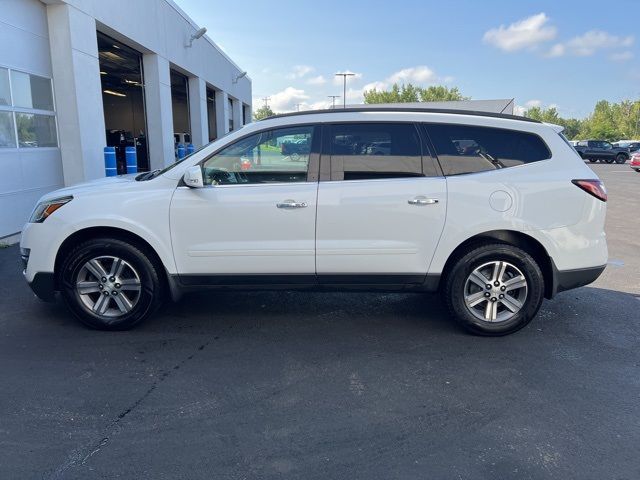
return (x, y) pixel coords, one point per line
(230, 114)
(27, 116)
(211, 114)
(180, 106)
(7, 130)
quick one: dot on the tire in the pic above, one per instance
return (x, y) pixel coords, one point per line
(125, 269)
(459, 288)
(609, 160)
(621, 158)
(593, 160)
(637, 169)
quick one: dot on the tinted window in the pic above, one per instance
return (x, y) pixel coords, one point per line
(363, 151)
(272, 156)
(468, 149)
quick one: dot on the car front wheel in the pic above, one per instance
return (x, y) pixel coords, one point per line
(494, 289)
(621, 158)
(110, 284)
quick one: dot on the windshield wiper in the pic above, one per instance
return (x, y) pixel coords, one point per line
(147, 175)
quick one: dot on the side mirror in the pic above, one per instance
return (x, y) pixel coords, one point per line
(193, 177)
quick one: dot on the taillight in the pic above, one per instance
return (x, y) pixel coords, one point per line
(592, 187)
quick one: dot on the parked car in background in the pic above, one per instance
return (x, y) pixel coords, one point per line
(594, 150)
(409, 200)
(626, 143)
(635, 162)
(632, 147)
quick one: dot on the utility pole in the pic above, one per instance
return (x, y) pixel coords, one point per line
(298, 107)
(344, 76)
(266, 101)
(333, 97)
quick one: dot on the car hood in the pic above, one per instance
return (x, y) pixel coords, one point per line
(100, 184)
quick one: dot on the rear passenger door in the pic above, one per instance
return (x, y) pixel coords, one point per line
(381, 208)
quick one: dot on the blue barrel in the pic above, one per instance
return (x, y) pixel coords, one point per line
(132, 159)
(190, 149)
(181, 151)
(110, 167)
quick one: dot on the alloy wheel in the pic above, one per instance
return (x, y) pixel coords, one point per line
(108, 286)
(495, 291)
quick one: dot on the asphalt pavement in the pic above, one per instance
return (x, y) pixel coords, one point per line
(268, 385)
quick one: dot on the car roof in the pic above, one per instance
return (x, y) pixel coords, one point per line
(373, 108)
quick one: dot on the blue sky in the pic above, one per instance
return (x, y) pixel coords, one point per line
(566, 53)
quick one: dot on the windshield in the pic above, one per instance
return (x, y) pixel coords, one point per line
(155, 173)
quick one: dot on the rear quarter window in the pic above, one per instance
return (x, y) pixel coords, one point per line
(470, 149)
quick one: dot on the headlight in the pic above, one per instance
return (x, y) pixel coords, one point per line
(46, 208)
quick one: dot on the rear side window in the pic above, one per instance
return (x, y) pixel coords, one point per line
(364, 151)
(470, 149)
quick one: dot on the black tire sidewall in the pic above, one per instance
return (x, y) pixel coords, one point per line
(620, 159)
(455, 283)
(149, 294)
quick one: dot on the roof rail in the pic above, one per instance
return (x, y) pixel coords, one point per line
(373, 108)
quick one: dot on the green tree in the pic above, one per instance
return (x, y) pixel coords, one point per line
(263, 112)
(571, 126)
(440, 93)
(410, 93)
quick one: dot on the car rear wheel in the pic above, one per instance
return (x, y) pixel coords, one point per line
(621, 158)
(593, 160)
(110, 284)
(494, 289)
(609, 160)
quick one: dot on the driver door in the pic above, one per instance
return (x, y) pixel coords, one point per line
(256, 214)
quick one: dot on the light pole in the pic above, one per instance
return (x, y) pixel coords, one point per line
(298, 107)
(344, 88)
(333, 97)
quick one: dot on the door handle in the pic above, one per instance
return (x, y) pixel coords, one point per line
(291, 204)
(422, 201)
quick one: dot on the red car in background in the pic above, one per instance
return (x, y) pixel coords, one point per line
(635, 162)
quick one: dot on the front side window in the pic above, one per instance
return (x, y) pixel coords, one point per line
(272, 156)
(366, 151)
(469, 149)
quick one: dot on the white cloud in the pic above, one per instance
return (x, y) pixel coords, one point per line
(421, 74)
(520, 109)
(319, 80)
(591, 42)
(557, 50)
(527, 33)
(300, 71)
(621, 56)
(286, 99)
(415, 75)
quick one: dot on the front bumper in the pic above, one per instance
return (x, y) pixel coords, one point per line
(44, 286)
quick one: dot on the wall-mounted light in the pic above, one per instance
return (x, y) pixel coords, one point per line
(115, 94)
(195, 36)
(239, 76)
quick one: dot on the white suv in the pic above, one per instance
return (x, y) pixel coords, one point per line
(493, 211)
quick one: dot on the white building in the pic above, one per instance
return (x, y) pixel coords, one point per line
(78, 75)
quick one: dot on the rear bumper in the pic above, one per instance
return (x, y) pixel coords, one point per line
(44, 286)
(568, 279)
